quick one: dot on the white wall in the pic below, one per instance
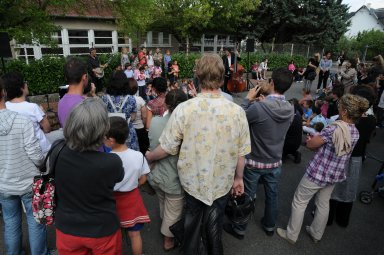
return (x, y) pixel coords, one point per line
(361, 21)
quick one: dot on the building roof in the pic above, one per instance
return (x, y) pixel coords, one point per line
(377, 13)
(86, 9)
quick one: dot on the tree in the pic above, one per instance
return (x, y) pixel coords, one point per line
(28, 20)
(33, 20)
(366, 42)
(319, 22)
(192, 18)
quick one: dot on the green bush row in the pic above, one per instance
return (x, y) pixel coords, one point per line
(45, 75)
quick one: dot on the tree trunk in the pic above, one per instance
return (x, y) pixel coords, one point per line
(187, 48)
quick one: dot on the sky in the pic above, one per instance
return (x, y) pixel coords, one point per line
(356, 4)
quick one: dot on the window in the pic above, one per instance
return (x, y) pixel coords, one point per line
(52, 51)
(103, 37)
(78, 36)
(25, 53)
(56, 36)
(79, 50)
(155, 38)
(166, 38)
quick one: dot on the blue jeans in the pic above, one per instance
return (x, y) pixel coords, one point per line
(270, 179)
(12, 209)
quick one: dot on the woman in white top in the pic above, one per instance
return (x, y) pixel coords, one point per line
(141, 116)
(17, 91)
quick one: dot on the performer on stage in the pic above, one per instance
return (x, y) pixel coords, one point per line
(228, 60)
(94, 70)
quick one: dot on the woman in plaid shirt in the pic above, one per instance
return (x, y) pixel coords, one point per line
(334, 146)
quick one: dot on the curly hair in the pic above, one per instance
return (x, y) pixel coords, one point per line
(354, 105)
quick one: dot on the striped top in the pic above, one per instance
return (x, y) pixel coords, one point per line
(20, 152)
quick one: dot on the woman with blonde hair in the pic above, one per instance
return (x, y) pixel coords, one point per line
(334, 146)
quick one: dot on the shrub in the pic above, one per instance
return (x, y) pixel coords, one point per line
(45, 75)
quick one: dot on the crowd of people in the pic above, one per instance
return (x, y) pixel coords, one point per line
(189, 144)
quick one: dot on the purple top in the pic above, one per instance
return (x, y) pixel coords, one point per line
(326, 168)
(66, 104)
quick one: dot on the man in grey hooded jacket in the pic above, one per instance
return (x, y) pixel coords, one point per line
(269, 117)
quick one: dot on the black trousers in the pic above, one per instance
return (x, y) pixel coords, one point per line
(323, 77)
(142, 136)
(226, 79)
(203, 222)
(340, 212)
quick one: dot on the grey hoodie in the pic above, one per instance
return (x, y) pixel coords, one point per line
(269, 121)
(20, 152)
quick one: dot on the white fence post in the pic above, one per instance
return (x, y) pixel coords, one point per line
(292, 50)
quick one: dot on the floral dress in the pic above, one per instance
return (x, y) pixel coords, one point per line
(128, 108)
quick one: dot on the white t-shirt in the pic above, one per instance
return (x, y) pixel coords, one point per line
(34, 112)
(129, 73)
(138, 122)
(150, 61)
(135, 165)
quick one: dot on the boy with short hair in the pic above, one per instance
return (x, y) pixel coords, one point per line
(129, 203)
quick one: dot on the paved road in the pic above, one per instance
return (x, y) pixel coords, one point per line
(363, 236)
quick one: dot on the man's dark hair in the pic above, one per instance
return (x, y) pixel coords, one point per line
(365, 91)
(74, 69)
(118, 84)
(160, 84)
(282, 80)
(174, 98)
(118, 129)
(338, 91)
(13, 83)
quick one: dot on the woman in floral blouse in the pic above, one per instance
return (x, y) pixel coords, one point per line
(117, 99)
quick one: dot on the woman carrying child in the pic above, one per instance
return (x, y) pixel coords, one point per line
(129, 204)
(334, 147)
(164, 177)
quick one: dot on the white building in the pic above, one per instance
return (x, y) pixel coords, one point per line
(365, 19)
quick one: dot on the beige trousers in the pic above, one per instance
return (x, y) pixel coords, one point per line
(304, 192)
(171, 209)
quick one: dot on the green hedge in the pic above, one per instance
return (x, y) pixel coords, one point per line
(46, 75)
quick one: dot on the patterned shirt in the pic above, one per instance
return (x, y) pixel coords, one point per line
(326, 168)
(209, 132)
(157, 105)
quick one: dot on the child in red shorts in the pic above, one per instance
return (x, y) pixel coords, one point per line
(129, 203)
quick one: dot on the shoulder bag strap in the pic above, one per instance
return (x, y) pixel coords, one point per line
(123, 103)
(59, 148)
(43, 167)
(112, 104)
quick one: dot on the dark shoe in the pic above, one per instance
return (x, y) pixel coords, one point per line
(269, 233)
(297, 159)
(228, 228)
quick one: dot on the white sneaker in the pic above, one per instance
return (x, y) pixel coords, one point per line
(283, 234)
(307, 228)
